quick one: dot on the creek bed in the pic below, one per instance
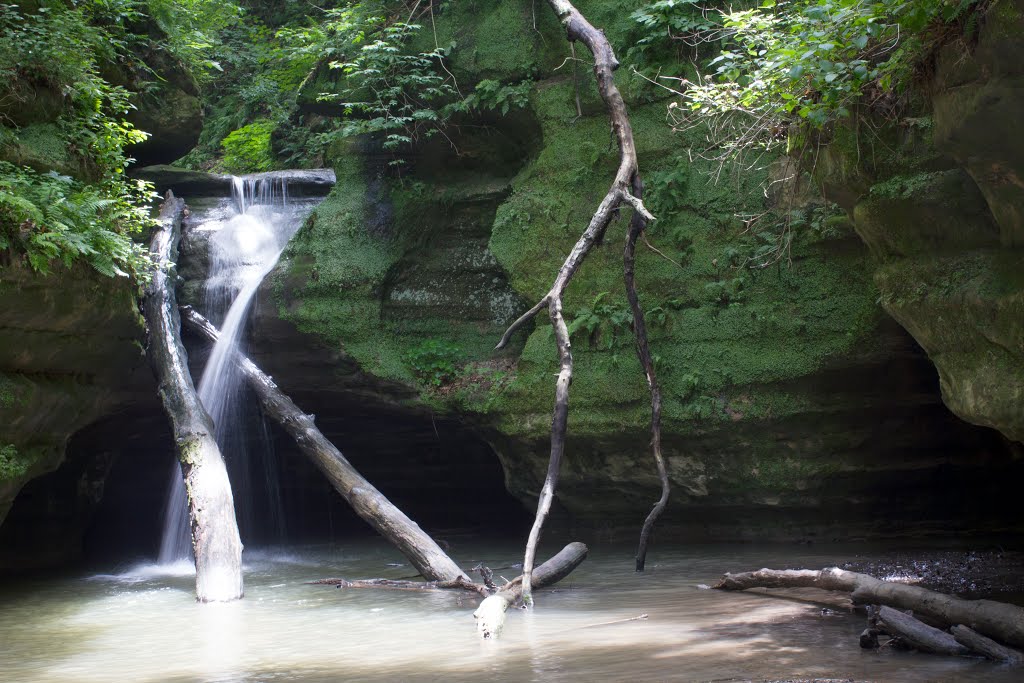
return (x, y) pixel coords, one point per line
(140, 623)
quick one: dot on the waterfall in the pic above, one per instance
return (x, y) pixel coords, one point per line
(245, 244)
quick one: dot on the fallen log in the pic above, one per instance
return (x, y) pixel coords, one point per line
(997, 620)
(215, 540)
(405, 585)
(918, 634)
(549, 573)
(977, 643)
(490, 615)
(367, 502)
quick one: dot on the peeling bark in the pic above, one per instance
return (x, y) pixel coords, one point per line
(211, 507)
(579, 29)
(360, 494)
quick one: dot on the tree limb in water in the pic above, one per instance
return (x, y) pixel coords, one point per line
(490, 615)
(975, 642)
(643, 352)
(369, 503)
(1000, 621)
(918, 634)
(579, 29)
(215, 539)
(404, 585)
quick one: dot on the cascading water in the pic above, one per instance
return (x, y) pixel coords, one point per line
(245, 243)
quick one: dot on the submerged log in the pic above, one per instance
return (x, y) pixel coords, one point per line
(369, 503)
(405, 585)
(986, 647)
(490, 615)
(918, 634)
(215, 539)
(1000, 621)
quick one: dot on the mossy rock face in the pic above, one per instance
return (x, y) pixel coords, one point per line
(967, 311)
(977, 103)
(167, 105)
(70, 353)
(782, 385)
(935, 203)
(786, 389)
(925, 212)
(42, 147)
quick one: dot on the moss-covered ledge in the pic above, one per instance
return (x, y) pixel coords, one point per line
(70, 352)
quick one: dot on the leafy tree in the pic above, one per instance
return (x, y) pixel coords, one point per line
(788, 65)
(45, 215)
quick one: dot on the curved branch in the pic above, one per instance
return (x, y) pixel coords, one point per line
(643, 352)
(520, 321)
(579, 29)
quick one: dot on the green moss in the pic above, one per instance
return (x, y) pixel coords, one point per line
(722, 333)
(906, 186)
(383, 266)
(247, 149)
(40, 146)
(16, 463)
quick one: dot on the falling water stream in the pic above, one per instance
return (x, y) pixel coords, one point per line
(245, 243)
(142, 624)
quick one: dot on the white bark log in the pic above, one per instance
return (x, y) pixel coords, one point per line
(215, 539)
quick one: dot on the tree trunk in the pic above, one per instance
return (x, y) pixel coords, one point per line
(578, 29)
(367, 501)
(997, 620)
(215, 540)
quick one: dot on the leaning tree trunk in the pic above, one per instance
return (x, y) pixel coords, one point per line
(215, 540)
(998, 620)
(579, 29)
(367, 501)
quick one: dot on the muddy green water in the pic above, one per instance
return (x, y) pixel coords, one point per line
(141, 624)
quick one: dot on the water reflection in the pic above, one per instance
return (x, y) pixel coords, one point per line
(142, 624)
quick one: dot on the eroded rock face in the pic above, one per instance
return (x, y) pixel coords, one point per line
(171, 112)
(949, 233)
(966, 310)
(70, 353)
(794, 406)
(979, 94)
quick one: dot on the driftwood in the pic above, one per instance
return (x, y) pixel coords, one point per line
(918, 634)
(490, 615)
(405, 585)
(996, 620)
(621, 192)
(369, 503)
(977, 643)
(215, 539)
